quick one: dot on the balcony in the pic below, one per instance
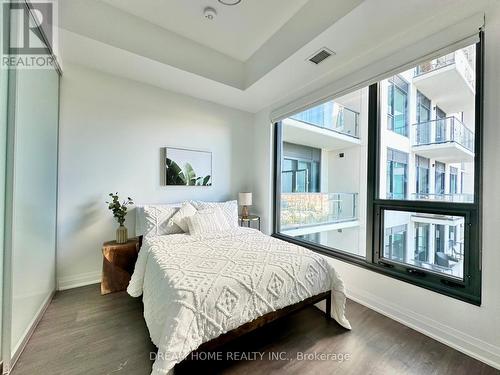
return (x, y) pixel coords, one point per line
(329, 126)
(436, 219)
(305, 213)
(449, 80)
(447, 140)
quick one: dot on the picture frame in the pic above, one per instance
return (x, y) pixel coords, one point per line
(187, 167)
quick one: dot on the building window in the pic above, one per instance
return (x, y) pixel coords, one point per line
(440, 125)
(301, 169)
(395, 243)
(397, 105)
(386, 203)
(397, 165)
(421, 243)
(322, 195)
(442, 241)
(429, 245)
(422, 177)
(453, 180)
(440, 178)
(423, 119)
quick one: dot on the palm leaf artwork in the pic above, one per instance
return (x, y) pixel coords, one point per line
(190, 174)
(177, 176)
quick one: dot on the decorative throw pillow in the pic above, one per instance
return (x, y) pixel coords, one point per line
(180, 218)
(229, 210)
(157, 221)
(207, 221)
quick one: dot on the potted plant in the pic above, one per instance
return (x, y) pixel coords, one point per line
(119, 211)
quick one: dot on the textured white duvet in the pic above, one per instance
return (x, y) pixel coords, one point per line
(197, 287)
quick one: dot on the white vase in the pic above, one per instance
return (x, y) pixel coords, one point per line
(121, 234)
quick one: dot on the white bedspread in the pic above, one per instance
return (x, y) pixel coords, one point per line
(197, 288)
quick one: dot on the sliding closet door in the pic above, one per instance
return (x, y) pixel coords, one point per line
(34, 197)
(30, 164)
(3, 150)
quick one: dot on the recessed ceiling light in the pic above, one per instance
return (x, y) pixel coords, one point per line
(230, 2)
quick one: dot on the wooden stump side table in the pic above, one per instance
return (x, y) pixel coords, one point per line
(118, 265)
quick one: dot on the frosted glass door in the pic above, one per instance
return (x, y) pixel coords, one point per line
(3, 150)
(34, 196)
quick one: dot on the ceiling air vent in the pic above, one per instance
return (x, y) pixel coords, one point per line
(321, 55)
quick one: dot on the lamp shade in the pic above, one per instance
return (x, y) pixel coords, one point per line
(245, 199)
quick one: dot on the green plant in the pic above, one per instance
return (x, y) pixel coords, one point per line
(177, 176)
(119, 209)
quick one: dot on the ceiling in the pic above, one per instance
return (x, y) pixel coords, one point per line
(257, 57)
(237, 31)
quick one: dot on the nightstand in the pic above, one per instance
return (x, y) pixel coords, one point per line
(118, 264)
(247, 221)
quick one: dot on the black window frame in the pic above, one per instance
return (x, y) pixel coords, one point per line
(469, 288)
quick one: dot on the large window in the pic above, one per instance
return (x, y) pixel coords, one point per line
(394, 186)
(322, 199)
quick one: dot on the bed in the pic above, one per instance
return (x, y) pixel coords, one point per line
(199, 291)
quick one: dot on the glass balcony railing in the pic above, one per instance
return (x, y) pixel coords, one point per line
(463, 59)
(445, 130)
(309, 209)
(456, 249)
(456, 198)
(332, 116)
(430, 66)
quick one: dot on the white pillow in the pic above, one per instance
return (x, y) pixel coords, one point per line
(180, 218)
(139, 215)
(157, 221)
(207, 221)
(228, 209)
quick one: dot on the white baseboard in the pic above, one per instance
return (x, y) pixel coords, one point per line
(18, 349)
(82, 279)
(472, 346)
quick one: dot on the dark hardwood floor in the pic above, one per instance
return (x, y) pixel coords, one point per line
(83, 332)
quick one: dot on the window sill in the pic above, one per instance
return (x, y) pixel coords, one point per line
(429, 281)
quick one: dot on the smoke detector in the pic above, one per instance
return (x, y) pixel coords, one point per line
(209, 13)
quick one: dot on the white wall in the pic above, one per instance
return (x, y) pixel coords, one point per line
(111, 133)
(471, 329)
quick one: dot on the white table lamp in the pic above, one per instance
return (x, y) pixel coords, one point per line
(245, 200)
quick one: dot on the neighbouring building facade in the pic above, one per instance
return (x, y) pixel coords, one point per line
(426, 152)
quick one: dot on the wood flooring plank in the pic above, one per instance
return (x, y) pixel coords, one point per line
(84, 333)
